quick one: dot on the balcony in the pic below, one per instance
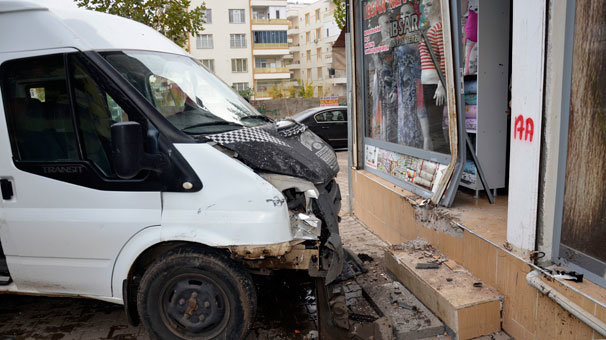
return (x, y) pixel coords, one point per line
(262, 95)
(271, 69)
(266, 46)
(265, 3)
(270, 22)
(293, 30)
(263, 73)
(270, 49)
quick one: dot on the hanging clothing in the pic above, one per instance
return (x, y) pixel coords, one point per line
(410, 109)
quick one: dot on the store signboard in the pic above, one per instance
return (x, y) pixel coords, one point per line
(408, 92)
(329, 101)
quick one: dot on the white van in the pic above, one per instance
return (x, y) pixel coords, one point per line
(131, 174)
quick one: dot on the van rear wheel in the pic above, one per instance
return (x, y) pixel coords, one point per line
(189, 294)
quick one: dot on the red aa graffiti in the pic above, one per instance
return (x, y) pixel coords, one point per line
(523, 129)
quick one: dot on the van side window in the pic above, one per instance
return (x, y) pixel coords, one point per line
(96, 111)
(38, 112)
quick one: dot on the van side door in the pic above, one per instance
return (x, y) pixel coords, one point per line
(69, 214)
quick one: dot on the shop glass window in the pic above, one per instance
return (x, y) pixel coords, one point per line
(237, 40)
(204, 41)
(583, 223)
(405, 74)
(236, 16)
(38, 110)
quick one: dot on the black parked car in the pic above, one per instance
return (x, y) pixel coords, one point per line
(328, 122)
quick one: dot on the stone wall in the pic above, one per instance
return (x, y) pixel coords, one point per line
(284, 107)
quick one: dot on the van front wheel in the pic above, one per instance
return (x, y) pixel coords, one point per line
(188, 294)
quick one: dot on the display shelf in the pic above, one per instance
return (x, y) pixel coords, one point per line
(492, 93)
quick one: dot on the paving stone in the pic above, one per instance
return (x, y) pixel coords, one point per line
(411, 319)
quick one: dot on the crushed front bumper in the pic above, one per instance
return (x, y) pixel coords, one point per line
(316, 245)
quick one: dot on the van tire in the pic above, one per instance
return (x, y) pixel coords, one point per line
(196, 294)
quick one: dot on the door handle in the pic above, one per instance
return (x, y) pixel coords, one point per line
(325, 127)
(7, 189)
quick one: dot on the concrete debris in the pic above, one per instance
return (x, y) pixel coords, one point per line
(427, 266)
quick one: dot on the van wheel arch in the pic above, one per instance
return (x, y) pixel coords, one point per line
(130, 285)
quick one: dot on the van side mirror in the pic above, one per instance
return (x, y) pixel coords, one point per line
(128, 155)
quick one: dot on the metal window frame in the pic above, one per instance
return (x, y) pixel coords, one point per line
(437, 157)
(562, 254)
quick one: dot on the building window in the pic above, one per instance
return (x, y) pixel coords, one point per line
(277, 14)
(319, 73)
(306, 18)
(236, 16)
(309, 74)
(237, 40)
(240, 86)
(319, 54)
(208, 16)
(308, 54)
(318, 33)
(270, 37)
(260, 62)
(239, 65)
(204, 41)
(307, 37)
(327, 33)
(209, 63)
(317, 15)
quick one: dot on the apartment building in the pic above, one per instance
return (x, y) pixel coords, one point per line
(312, 32)
(269, 27)
(244, 42)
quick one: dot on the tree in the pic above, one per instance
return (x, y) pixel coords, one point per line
(173, 18)
(292, 91)
(340, 13)
(248, 93)
(276, 92)
(305, 90)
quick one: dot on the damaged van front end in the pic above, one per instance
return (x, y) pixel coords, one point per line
(305, 176)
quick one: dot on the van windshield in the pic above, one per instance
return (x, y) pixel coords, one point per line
(191, 98)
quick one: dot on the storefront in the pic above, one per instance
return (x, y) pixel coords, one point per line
(410, 133)
(439, 81)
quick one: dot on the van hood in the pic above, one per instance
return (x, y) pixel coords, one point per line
(284, 147)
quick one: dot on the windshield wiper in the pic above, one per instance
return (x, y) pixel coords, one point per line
(221, 122)
(262, 117)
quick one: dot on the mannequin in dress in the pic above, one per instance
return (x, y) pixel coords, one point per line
(433, 90)
(407, 70)
(384, 125)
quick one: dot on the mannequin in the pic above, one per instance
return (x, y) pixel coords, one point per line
(407, 70)
(433, 91)
(384, 123)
